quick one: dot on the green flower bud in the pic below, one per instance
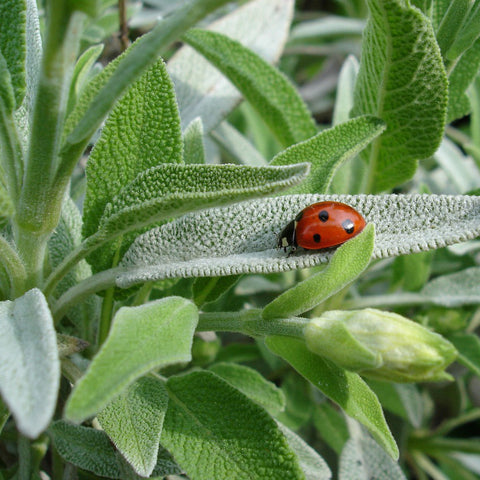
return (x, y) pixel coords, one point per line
(380, 345)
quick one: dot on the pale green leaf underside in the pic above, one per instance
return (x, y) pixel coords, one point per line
(134, 422)
(169, 190)
(153, 335)
(268, 90)
(214, 431)
(29, 364)
(242, 238)
(402, 80)
(202, 91)
(345, 388)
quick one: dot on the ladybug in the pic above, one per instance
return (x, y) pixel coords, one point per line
(321, 225)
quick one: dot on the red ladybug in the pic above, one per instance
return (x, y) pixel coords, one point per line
(321, 225)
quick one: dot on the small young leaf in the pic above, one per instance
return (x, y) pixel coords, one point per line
(253, 385)
(269, 92)
(402, 80)
(86, 448)
(193, 147)
(313, 465)
(153, 335)
(363, 459)
(29, 365)
(348, 262)
(134, 422)
(243, 238)
(202, 91)
(214, 431)
(12, 43)
(329, 149)
(345, 388)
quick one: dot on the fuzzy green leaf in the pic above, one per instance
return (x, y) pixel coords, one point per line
(142, 131)
(210, 289)
(345, 388)
(269, 92)
(348, 262)
(243, 238)
(402, 80)
(142, 338)
(170, 190)
(134, 422)
(468, 346)
(202, 91)
(451, 24)
(252, 384)
(239, 440)
(468, 34)
(331, 426)
(12, 43)
(29, 364)
(329, 149)
(194, 149)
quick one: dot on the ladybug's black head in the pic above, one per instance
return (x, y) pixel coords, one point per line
(286, 238)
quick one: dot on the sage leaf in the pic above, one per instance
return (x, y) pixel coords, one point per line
(134, 421)
(239, 440)
(313, 465)
(252, 384)
(468, 346)
(331, 426)
(142, 338)
(267, 90)
(202, 91)
(402, 80)
(243, 238)
(345, 388)
(29, 364)
(194, 149)
(329, 149)
(347, 263)
(12, 43)
(363, 459)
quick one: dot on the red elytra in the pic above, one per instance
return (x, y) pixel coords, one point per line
(321, 225)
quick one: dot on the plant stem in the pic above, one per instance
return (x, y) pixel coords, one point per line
(25, 458)
(106, 316)
(14, 267)
(250, 322)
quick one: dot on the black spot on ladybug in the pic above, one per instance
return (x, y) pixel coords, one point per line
(299, 216)
(317, 238)
(323, 216)
(348, 226)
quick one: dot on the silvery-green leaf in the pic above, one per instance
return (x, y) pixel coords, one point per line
(193, 147)
(29, 365)
(363, 459)
(402, 80)
(237, 147)
(202, 91)
(326, 26)
(242, 238)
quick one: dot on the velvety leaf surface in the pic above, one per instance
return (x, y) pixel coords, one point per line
(202, 91)
(12, 43)
(402, 80)
(193, 147)
(347, 263)
(134, 422)
(153, 335)
(29, 364)
(267, 90)
(214, 431)
(252, 384)
(329, 149)
(345, 388)
(243, 238)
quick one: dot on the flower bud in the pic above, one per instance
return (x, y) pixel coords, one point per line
(380, 345)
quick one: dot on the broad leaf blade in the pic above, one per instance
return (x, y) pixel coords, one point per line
(329, 149)
(134, 422)
(268, 91)
(348, 262)
(243, 238)
(241, 439)
(29, 364)
(402, 80)
(142, 338)
(202, 91)
(345, 388)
